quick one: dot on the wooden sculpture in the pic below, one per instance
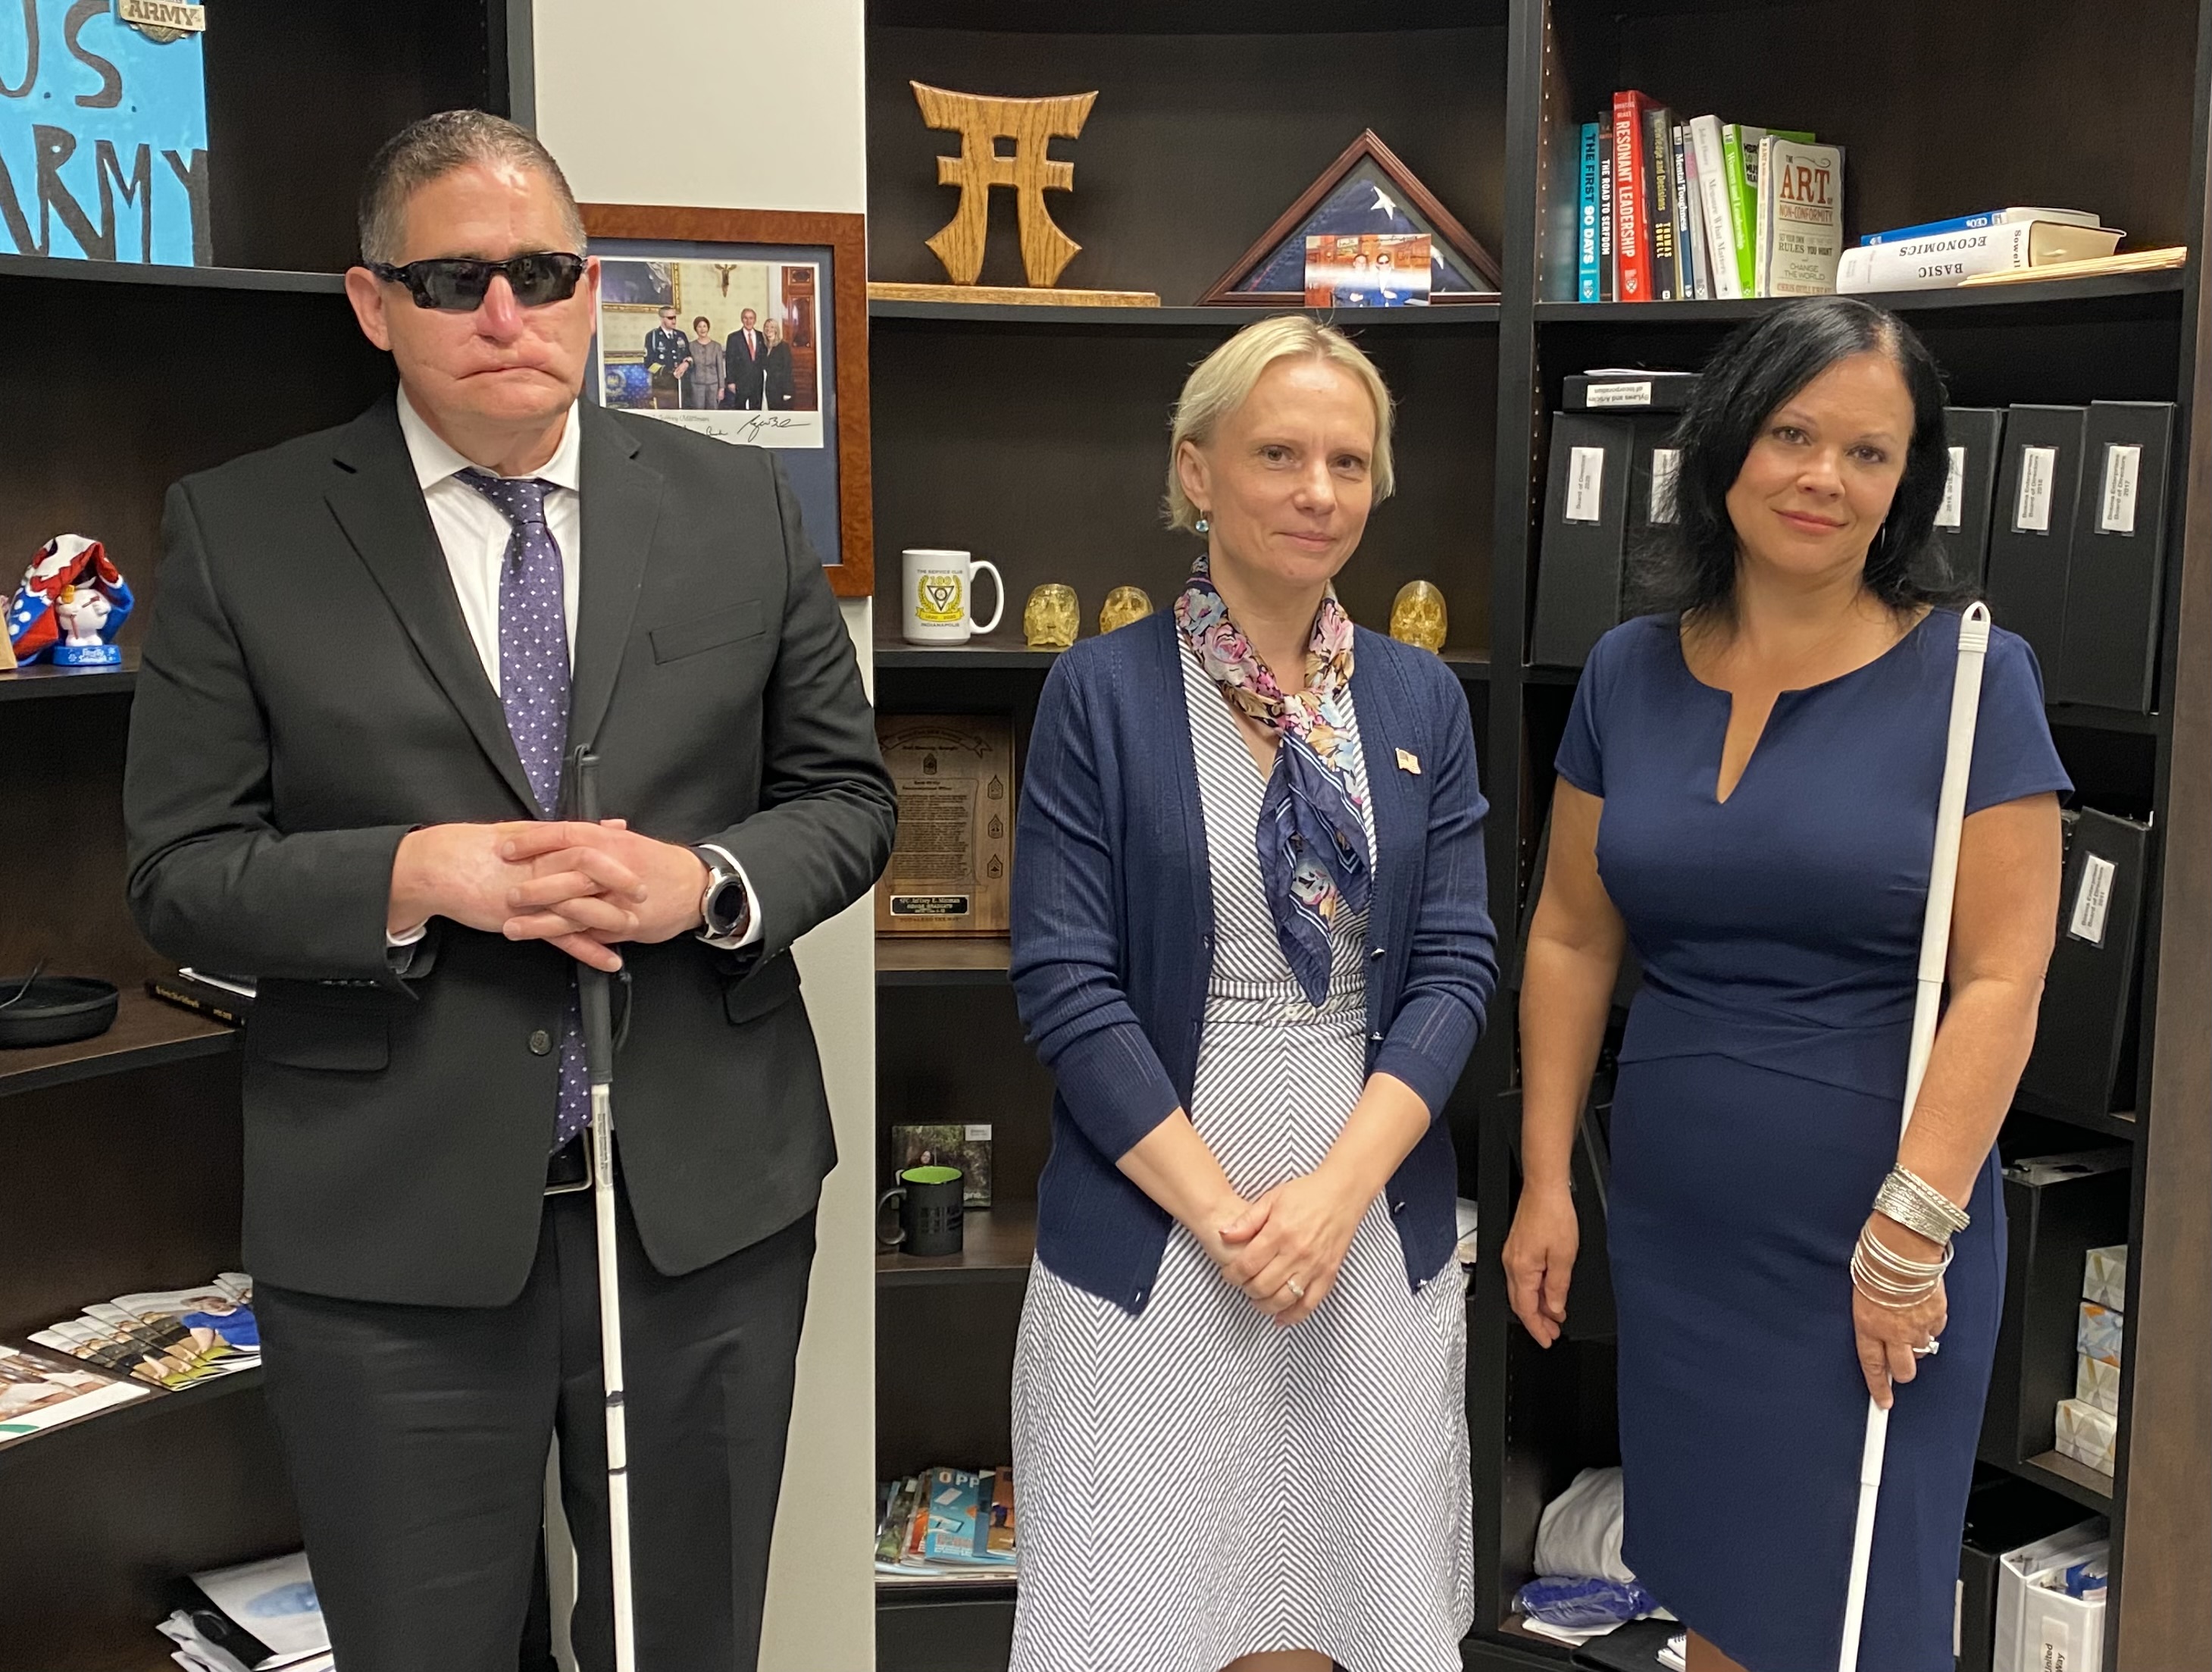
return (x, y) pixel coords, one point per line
(1031, 124)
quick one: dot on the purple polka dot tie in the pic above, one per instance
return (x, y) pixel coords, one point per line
(533, 690)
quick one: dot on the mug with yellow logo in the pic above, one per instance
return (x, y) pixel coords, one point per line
(937, 602)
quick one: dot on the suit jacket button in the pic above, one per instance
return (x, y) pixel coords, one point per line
(541, 1044)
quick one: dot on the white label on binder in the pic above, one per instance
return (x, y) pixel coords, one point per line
(2038, 469)
(1953, 511)
(979, 1132)
(1665, 462)
(1603, 395)
(2115, 507)
(1585, 484)
(2092, 900)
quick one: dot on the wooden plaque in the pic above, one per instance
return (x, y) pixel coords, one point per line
(953, 867)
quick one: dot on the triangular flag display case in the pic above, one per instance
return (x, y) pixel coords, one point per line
(1366, 190)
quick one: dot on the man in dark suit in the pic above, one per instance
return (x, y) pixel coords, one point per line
(746, 355)
(371, 647)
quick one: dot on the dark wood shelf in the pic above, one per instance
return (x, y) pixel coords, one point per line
(147, 1034)
(1000, 1242)
(941, 960)
(2056, 296)
(2069, 1479)
(2085, 717)
(939, 1630)
(1003, 652)
(40, 679)
(107, 1422)
(990, 1585)
(1170, 17)
(1448, 316)
(2111, 1126)
(186, 278)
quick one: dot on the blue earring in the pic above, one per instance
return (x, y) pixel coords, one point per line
(1201, 526)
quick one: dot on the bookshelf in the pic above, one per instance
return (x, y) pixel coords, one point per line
(1034, 436)
(125, 1150)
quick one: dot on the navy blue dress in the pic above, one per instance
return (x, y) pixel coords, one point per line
(1755, 1114)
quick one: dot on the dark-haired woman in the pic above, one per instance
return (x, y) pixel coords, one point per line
(1747, 794)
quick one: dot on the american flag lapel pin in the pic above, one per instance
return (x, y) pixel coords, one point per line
(1409, 762)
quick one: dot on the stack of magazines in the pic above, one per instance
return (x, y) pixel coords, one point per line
(946, 1526)
(42, 1390)
(260, 1617)
(170, 1337)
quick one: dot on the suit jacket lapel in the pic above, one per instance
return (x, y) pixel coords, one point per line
(621, 504)
(379, 504)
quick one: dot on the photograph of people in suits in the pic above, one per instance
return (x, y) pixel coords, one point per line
(667, 359)
(746, 355)
(702, 383)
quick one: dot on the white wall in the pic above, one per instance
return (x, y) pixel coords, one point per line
(798, 141)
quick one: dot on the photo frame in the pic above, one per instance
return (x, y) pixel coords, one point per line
(1270, 273)
(774, 306)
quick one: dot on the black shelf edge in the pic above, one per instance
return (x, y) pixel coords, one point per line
(930, 1591)
(940, 977)
(1000, 1244)
(2109, 1125)
(119, 1416)
(156, 1035)
(23, 684)
(1449, 316)
(186, 278)
(2047, 294)
(2083, 716)
(1002, 657)
(2045, 1471)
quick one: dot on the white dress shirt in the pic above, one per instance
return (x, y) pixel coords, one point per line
(474, 534)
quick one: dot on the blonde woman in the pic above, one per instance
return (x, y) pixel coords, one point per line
(1249, 941)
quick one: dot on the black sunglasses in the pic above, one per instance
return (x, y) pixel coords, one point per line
(455, 285)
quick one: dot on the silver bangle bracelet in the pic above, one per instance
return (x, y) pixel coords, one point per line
(1891, 1280)
(1916, 1205)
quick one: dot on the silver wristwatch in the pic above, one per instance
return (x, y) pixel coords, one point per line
(726, 906)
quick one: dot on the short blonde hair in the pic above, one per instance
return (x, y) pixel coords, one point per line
(1221, 383)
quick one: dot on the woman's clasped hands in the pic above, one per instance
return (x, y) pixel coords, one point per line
(1284, 1249)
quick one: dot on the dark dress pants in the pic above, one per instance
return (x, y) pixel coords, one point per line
(416, 1438)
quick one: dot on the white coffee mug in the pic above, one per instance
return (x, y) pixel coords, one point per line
(937, 607)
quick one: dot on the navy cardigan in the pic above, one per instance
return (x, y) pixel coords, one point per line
(1113, 932)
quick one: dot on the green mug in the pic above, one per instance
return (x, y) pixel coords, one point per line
(929, 1215)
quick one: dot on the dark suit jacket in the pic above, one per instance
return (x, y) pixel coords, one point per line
(310, 693)
(747, 371)
(777, 373)
(1113, 932)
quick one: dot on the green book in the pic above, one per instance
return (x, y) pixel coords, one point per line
(1740, 151)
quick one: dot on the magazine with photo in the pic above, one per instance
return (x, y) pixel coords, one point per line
(42, 1390)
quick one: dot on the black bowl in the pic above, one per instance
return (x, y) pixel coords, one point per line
(56, 1010)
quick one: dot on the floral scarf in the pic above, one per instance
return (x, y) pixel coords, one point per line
(1312, 841)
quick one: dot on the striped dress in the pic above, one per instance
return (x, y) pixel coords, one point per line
(1197, 1482)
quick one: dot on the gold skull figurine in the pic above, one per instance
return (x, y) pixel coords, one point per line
(1123, 605)
(1418, 615)
(1051, 618)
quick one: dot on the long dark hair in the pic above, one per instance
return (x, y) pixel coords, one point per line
(1690, 564)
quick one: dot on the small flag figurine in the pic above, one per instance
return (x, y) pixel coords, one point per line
(1409, 762)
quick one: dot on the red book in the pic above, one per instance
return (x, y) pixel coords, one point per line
(1631, 168)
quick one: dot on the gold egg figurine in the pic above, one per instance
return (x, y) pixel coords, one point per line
(1051, 618)
(1418, 615)
(1123, 605)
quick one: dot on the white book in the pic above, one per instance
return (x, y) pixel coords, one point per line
(1936, 263)
(1690, 219)
(1801, 217)
(1713, 207)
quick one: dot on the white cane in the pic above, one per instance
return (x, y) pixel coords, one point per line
(600, 1061)
(1927, 1003)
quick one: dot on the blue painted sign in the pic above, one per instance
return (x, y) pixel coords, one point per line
(103, 131)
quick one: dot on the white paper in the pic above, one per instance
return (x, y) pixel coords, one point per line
(1952, 513)
(2038, 469)
(2092, 900)
(1666, 462)
(1585, 484)
(2116, 505)
(1603, 395)
(275, 1600)
(978, 1132)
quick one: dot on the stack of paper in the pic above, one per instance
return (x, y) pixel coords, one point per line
(260, 1617)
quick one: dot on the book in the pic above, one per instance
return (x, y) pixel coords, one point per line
(1801, 217)
(2108, 652)
(1659, 203)
(1988, 217)
(1000, 1539)
(964, 1145)
(1608, 262)
(2132, 261)
(226, 997)
(1947, 258)
(1688, 220)
(44, 1389)
(1693, 209)
(1586, 216)
(1739, 144)
(1632, 242)
(947, 1526)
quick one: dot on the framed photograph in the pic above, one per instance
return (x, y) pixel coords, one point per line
(749, 325)
(1367, 270)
